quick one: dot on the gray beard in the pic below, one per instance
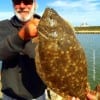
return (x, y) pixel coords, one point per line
(26, 18)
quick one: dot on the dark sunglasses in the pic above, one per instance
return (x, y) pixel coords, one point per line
(24, 1)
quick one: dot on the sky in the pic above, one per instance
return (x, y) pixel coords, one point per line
(74, 11)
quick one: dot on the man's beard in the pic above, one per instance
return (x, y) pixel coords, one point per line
(27, 17)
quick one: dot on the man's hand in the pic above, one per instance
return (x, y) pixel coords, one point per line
(29, 30)
(91, 96)
(72, 98)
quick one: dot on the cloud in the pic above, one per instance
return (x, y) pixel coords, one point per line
(58, 3)
(78, 11)
(84, 5)
(5, 15)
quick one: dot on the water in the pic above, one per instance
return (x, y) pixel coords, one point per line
(91, 45)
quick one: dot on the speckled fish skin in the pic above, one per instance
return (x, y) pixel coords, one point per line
(62, 62)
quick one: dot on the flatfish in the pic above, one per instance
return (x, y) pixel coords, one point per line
(60, 59)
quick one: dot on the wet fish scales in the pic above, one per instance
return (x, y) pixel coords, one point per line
(61, 60)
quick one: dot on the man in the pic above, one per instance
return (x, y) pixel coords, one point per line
(19, 78)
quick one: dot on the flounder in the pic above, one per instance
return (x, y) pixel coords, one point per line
(60, 60)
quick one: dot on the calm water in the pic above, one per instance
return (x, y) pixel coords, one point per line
(91, 45)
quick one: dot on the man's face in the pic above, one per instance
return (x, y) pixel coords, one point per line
(24, 9)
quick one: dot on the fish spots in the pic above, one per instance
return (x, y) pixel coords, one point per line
(63, 63)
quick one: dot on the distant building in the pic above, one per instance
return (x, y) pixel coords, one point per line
(84, 24)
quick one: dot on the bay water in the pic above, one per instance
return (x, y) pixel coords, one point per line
(91, 45)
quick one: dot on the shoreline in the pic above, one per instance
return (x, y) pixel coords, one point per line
(87, 32)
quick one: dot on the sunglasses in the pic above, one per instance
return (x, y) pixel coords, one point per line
(24, 1)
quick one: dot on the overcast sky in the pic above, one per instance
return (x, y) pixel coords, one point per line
(75, 11)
